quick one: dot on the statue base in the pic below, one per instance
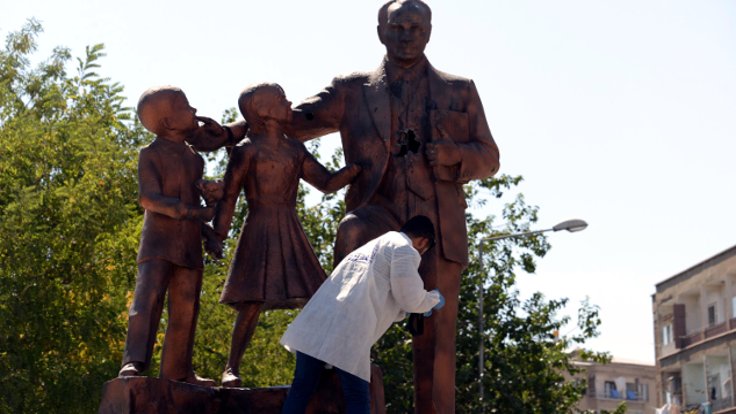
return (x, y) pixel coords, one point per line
(145, 395)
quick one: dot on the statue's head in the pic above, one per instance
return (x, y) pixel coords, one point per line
(165, 110)
(404, 27)
(262, 102)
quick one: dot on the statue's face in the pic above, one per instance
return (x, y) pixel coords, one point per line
(406, 32)
(272, 104)
(182, 117)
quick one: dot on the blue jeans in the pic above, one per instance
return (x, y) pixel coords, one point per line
(306, 378)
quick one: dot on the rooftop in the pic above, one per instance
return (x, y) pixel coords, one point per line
(688, 273)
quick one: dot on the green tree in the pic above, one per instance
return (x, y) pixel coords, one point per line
(525, 358)
(67, 220)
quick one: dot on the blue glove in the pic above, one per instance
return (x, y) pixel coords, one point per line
(441, 304)
(438, 306)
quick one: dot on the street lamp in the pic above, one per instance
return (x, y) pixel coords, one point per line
(572, 226)
(569, 225)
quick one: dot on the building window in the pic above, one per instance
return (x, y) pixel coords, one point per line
(712, 315)
(667, 334)
(643, 391)
(631, 391)
(609, 389)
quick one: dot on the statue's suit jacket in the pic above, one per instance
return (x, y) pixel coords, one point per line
(358, 106)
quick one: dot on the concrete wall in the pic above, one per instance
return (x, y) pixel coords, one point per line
(693, 383)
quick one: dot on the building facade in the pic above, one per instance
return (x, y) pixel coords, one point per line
(620, 381)
(695, 336)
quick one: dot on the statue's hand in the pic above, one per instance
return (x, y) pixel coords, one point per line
(211, 191)
(214, 248)
(204, 213)
(213, 244)
(355, 170)
(443, 152)
(211, 127)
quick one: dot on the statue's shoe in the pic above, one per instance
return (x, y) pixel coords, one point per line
(202, 382)
(229, 379)
(131, 369)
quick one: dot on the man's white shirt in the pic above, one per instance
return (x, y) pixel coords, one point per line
(371, 288)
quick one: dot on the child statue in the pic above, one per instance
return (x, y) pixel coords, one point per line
(274, 265)
(170, 251)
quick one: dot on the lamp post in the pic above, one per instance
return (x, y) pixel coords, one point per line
(571, 226)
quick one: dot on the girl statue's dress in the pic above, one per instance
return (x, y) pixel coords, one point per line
(274, 262)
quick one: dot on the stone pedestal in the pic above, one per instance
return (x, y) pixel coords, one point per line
(144, 395)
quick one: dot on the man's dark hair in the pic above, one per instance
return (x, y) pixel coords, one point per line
(419, 226)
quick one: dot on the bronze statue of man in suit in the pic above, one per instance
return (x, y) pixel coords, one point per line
(419, 134)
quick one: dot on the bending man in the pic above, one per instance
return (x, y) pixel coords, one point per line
(371, 288)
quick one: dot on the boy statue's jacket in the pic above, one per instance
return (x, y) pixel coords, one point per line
(167, 173)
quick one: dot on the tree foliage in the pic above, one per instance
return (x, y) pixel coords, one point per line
(70, 224)
(67, 214)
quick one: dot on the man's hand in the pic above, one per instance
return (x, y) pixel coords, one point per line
(438, 306)
(443, 152)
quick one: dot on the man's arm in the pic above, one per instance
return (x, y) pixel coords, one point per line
(318, 115)
(476, 158)
(480, 156)
(151, 198)
(407, 286)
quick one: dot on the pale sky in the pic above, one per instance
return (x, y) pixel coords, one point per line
(622, 113)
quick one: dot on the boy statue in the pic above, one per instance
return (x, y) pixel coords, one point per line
(170, 251)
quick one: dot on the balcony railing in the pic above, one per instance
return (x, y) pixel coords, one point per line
(706, 333)
(714, 330)
(619, 395)
(721, 404)
(688, 340)
(732, 323)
